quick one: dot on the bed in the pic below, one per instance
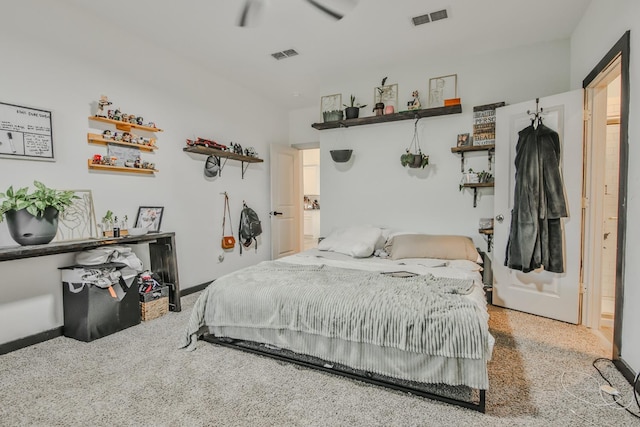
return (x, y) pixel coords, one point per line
(406, 311)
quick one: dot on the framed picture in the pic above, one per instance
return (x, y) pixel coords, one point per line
(387, 94)
(330, 103)
(464, 140)
(149, 217)
(78, 220)
(25, 133)
(441, 88)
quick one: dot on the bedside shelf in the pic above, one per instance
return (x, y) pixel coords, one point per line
(475, 189)
(490, 149)
(403, 115)
(488, 232)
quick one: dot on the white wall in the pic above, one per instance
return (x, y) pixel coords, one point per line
(61, 60)
(601, 27)
(374, 187)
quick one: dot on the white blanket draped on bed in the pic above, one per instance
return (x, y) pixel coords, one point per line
(423, 314)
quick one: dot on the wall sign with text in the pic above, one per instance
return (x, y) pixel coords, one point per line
(25, 133)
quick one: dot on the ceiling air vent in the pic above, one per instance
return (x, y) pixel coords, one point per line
(284, 54)
(422, 19)
(440, 14)
(430, 17)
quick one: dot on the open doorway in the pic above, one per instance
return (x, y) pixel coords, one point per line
(311, 202)
(604, 194)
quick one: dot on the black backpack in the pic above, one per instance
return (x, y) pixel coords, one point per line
(250, 227)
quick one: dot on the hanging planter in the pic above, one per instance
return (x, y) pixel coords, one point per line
(414, 158)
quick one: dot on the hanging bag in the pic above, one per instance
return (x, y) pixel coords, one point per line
(228, 241)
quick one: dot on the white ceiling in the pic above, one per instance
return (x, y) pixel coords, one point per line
(205, 31)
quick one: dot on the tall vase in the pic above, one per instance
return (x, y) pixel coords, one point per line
(27, 229)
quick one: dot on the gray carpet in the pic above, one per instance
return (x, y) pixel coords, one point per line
(541, 375)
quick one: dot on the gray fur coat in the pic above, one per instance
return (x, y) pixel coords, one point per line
(536, 236)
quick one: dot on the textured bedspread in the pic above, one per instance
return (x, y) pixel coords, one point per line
(423, 314)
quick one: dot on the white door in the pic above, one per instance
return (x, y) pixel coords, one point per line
(286, 201)
(553, 295)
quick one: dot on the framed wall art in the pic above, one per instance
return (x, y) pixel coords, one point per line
(149, 217)
(330, 103)
(25, 133)
(441, 88)
(78, 221)
(464, 140)
(387, 94)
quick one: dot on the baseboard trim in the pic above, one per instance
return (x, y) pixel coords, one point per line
(30, 340)
(194, 289)
(626, 371)
(57, 332)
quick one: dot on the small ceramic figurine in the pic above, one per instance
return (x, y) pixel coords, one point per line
(107, 134)
(133, 119)
(117, 115)
(102, 102)
(415, 103)
(139, 120)
(126, 137)
(117, 136)
(128, 163)
(97, 159)
(137, 163)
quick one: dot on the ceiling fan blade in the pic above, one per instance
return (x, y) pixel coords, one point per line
(325, 9)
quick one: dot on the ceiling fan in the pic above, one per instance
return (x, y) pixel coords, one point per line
(252, 9)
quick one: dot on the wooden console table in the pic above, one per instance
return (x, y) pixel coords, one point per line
(162, 251)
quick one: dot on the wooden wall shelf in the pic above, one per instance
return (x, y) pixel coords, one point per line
(475, 187)
(207, 151)
(120, 169)
(94, 138)
(124, 126)
(403, 115)
(488, 232)
(490, 149)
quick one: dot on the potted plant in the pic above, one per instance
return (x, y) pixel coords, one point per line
(352, 111)
(32, 218)
(332, 115)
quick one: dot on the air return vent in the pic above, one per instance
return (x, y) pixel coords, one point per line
(440, 14)
(430, 17)
(285, 54)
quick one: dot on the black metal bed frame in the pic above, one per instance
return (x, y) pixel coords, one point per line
(336, 369)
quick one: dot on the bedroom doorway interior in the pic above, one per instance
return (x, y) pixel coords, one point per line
(601, 192)
(311, 200)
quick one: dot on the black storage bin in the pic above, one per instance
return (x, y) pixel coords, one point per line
(92, 312)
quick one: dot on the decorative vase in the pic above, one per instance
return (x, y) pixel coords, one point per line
(352, 112)
(27, 229)
(379, 108)
(332, 116)
(389, 109)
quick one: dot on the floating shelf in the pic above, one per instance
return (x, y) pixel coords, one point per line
(94, 138)
(490, 149)
(403, 115)
(475, 187)
(120, 168)
(124, 126)
(223, 154)
(488, 232)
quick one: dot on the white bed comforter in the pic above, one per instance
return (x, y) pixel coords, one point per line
(440, 313)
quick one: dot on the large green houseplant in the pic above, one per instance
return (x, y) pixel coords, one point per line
(32, 217)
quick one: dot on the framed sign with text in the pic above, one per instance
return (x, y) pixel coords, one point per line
(25, 133)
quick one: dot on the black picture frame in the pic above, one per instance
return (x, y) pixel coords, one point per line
(464, 140)
(149, 217)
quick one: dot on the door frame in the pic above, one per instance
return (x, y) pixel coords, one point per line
(620, 50)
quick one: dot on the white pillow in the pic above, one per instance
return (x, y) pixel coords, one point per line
(357, 241)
